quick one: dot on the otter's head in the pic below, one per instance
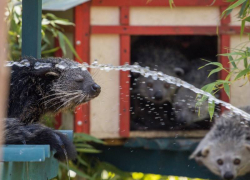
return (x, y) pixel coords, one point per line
(186, 110)
(225, 150)
(157, 91)
(70, 85)
(227, 163)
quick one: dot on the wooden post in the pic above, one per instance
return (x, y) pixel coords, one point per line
(82, 46)
(224, 43)
(4, 73)
(124, 79)
(31, 28)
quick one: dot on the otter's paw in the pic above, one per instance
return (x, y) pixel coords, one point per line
(19, 133)
(60, 143)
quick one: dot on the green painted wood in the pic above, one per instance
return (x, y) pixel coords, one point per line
(166, 156)
(25, 153)
(68, 133)
(22, 162)
(30, 170)
(31, 28)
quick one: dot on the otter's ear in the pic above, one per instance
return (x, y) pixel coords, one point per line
(179, 71)
(200, 152)
(52, 74)
(247, 146)
(135, 75)
(46, 72)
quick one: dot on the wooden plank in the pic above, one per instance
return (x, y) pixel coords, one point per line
(4, 72)
(82, 46)
(124, 15)
(155, 3)
(166, 30)
(169, 134)
(31, 28)
(124, 77)
(124, 87)
(224, 45)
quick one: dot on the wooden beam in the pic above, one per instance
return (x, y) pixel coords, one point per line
(4, 72)
(166, 30)
(31, 28)
(82, 46)
(224, 48)
(161, 3)
(124, 76)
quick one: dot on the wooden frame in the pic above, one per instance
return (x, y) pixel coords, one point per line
(83, 30)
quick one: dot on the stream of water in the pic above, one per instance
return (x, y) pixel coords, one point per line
(145, 71)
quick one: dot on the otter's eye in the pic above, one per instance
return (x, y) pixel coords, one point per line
(179, 71)
(193, 110)
(166, 85)
(150, 85)
(220, 162)
(79, 79)
(237, 161)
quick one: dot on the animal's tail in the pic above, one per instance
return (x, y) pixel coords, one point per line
(19, 133)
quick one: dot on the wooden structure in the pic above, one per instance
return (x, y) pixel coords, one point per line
(105, 27)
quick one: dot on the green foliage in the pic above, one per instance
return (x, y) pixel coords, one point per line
(51, 29)
(236, 56)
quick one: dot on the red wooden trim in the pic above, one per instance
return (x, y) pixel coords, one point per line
(124, 15)
(226, 20)
(125, 87)
(124, 79)
(58, 120)
(166, 30)
(224, 45)
(82, 46)
(158, 3)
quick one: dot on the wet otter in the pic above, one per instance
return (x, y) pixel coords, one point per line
(39, 86)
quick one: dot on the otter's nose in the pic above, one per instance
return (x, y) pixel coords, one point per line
(228, 176)
(96, 88)
(158, 96)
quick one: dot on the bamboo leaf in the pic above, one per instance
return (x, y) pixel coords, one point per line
(243, 22)
(239, 2)
(215, 71)
(232, 62)
(242, 73)
(211, 107)
(88, 150)
(87, 137)
(62, 22)
(71, 47)
(50, 50)
(77, 171)
(242, 9)
(227, 89)
(82, 161)
(245, 62)
(62, 42)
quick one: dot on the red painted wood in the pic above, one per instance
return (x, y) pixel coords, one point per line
(82, 46)
(124, 79)
(224, 45)
(158, 3)
(226, 20)
(58, 120)
(124, 15)
(166, 30)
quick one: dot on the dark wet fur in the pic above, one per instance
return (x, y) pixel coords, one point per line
(17, 132)
(31, 96)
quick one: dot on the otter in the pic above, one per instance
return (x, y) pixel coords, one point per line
(46, 85)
